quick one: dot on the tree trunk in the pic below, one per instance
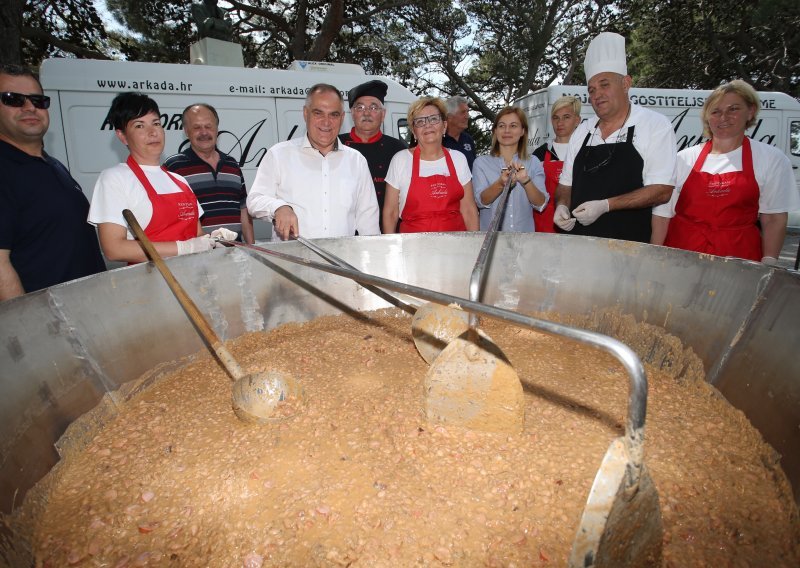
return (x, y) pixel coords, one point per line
(330, 30)
(10, 25)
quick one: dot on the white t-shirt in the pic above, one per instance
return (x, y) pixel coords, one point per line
(561, 149)
(118, 188)
(653, 138)
(399, 172)
(773, 171)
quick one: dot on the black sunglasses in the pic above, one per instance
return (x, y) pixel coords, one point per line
(18, 100)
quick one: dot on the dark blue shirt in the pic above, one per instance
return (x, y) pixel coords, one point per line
(43, 221)
(465, 144)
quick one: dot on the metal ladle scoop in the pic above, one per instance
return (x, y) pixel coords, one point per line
(470, 382)
(257, 397)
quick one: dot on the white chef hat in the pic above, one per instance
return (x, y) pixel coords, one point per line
(606, 53)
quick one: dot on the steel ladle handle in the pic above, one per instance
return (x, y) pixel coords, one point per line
(476, 278)
(637, 379)
(195, 315)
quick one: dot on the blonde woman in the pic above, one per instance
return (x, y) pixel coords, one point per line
(565, 116)
(729, 186)
(509, 157)
(429, 188)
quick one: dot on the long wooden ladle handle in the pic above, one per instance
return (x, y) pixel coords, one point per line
(195, 315)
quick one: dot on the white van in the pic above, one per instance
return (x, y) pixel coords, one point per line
(778, 122)
(257, 108)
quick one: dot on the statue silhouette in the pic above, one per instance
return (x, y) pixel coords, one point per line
(211, 21)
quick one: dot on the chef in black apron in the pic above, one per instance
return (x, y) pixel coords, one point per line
(604, 194)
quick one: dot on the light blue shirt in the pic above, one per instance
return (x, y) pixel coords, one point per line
(518, 216)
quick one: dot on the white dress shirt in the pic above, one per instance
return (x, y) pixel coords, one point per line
(332, 195)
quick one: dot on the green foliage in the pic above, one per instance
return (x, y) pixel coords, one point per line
(492, 51)
(61, 27)
(157, 30)
(686, 43)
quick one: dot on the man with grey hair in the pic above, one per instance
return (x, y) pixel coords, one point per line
(314, 186)
(456, 136)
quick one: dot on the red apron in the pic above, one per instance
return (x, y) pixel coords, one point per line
(175, 215)
(717, 213)
(433, 203)
(543, 222)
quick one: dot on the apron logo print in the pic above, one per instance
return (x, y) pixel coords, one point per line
(439, 190)
(719, 187)
(185, 210)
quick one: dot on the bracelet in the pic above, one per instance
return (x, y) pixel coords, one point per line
(526, 181)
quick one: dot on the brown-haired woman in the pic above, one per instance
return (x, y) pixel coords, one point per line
(509, 157)
(429, 188)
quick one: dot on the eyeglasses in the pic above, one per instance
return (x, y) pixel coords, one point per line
(18, 100)
(360, 107)
(603, 163)
(421, 121)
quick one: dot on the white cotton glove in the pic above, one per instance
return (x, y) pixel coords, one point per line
(197, 244)
(587, 213)
(223, 234)
(563, 219)
(769, 261)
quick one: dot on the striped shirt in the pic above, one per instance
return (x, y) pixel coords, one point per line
(221, 193)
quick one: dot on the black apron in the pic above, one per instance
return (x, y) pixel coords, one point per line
(621, 174)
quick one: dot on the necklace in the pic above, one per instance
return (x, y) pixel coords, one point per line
(592, 169)
(619, 131)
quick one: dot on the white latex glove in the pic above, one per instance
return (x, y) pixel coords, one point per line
(223, 234)
(587, 213)
(769, 261)
(563, 219)
(197, 244)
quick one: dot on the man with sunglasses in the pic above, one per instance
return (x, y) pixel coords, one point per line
(44, 236)
(366, 107)
(619, 165)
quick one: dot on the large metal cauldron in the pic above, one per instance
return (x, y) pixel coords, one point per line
(62, 349)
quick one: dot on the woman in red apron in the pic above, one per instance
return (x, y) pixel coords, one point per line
(717, 207)
(565, 117)
(429, 187)
(162, 202)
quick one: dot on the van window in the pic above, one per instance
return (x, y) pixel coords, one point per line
(794, 138)
(404, 131)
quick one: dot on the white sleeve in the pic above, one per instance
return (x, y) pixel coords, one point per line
(462, 167)
(367, 212)
(684, 162)
(396, 173)
(263, 201)
(776, 182)
(110, 198)
(659, 151)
